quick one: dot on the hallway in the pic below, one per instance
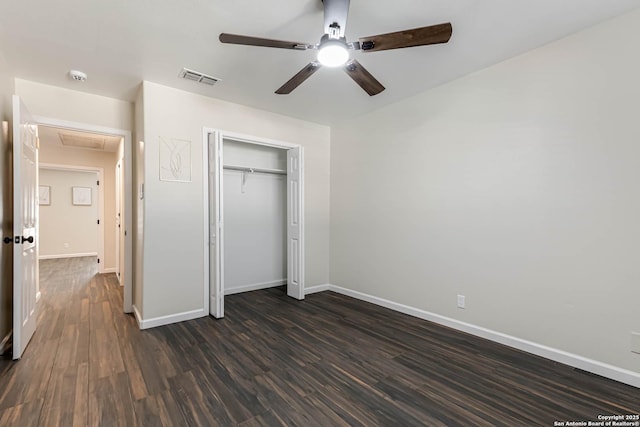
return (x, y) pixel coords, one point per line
(72, 368)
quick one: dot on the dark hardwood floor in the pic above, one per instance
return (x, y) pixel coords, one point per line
(327, 361)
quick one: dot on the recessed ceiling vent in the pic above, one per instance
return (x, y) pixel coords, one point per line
(198, 77)
(80, 141)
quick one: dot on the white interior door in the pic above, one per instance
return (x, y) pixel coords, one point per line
(25, 227)
(295, 227)
(216, 254)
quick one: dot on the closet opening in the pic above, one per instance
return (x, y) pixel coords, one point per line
(255, 217)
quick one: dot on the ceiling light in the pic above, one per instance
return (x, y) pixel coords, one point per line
(78, 75)
(333, 53)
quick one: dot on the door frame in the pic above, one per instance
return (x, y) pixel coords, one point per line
(127, 269)
(213, 156)
(100, 173)
(119, 205)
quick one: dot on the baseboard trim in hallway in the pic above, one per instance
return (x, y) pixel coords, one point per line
(62, 256)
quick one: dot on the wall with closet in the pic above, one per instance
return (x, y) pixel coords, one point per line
(173, 281)
(254, 202)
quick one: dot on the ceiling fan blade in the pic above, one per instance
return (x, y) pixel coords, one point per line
(257, 41)
(364, 78)
(335, 13)
(432, 34)
(300, 77)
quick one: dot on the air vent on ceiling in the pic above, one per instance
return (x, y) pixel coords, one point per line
(198, 77)
(79, 141)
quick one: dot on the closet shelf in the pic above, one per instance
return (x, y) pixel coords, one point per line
(255, 170)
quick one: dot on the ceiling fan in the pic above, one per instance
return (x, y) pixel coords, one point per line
(333, 49)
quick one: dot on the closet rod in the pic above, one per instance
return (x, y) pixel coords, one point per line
(260, 170)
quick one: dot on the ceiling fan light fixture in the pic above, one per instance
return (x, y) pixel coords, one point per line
(333, 53)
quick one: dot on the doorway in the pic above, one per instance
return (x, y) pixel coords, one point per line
(270, 158)
(26, 292)
(120, 144)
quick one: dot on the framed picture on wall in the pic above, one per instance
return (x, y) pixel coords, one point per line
(44, 195)
(175, 160)
(81, 196)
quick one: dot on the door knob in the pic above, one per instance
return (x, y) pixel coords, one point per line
(27, 239)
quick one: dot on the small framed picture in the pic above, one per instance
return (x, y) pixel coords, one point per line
(44, 195)
(81, 196)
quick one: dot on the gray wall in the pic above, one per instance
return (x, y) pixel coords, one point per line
(6, 252)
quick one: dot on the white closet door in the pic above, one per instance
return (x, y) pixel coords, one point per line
(295, 226)
(216, 254)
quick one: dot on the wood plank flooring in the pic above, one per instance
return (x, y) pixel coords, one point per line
(327, 361)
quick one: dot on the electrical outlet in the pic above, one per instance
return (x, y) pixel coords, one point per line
(635, 342)
(460, 301)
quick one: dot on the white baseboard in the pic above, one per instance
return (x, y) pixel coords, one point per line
(109, 270)
(255, 287)
(318, 288)
(167, 320)
(138, 316)
(4, 344)
(599, 368)
(57, 256)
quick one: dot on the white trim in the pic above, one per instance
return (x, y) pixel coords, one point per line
(599, 368)
(207, 223)
(109, 270)
(137, 315)
(250, 139)
(127, 269)
(76, 255)
(100, 176)
(255, 287)
(318, 288)
(167, 320)
(211, 304)
(5, 341)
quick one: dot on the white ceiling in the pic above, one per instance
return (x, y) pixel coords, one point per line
(118, 43)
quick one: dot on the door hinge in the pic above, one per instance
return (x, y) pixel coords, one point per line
(98, 260)
(98, 183)
(98, 222)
